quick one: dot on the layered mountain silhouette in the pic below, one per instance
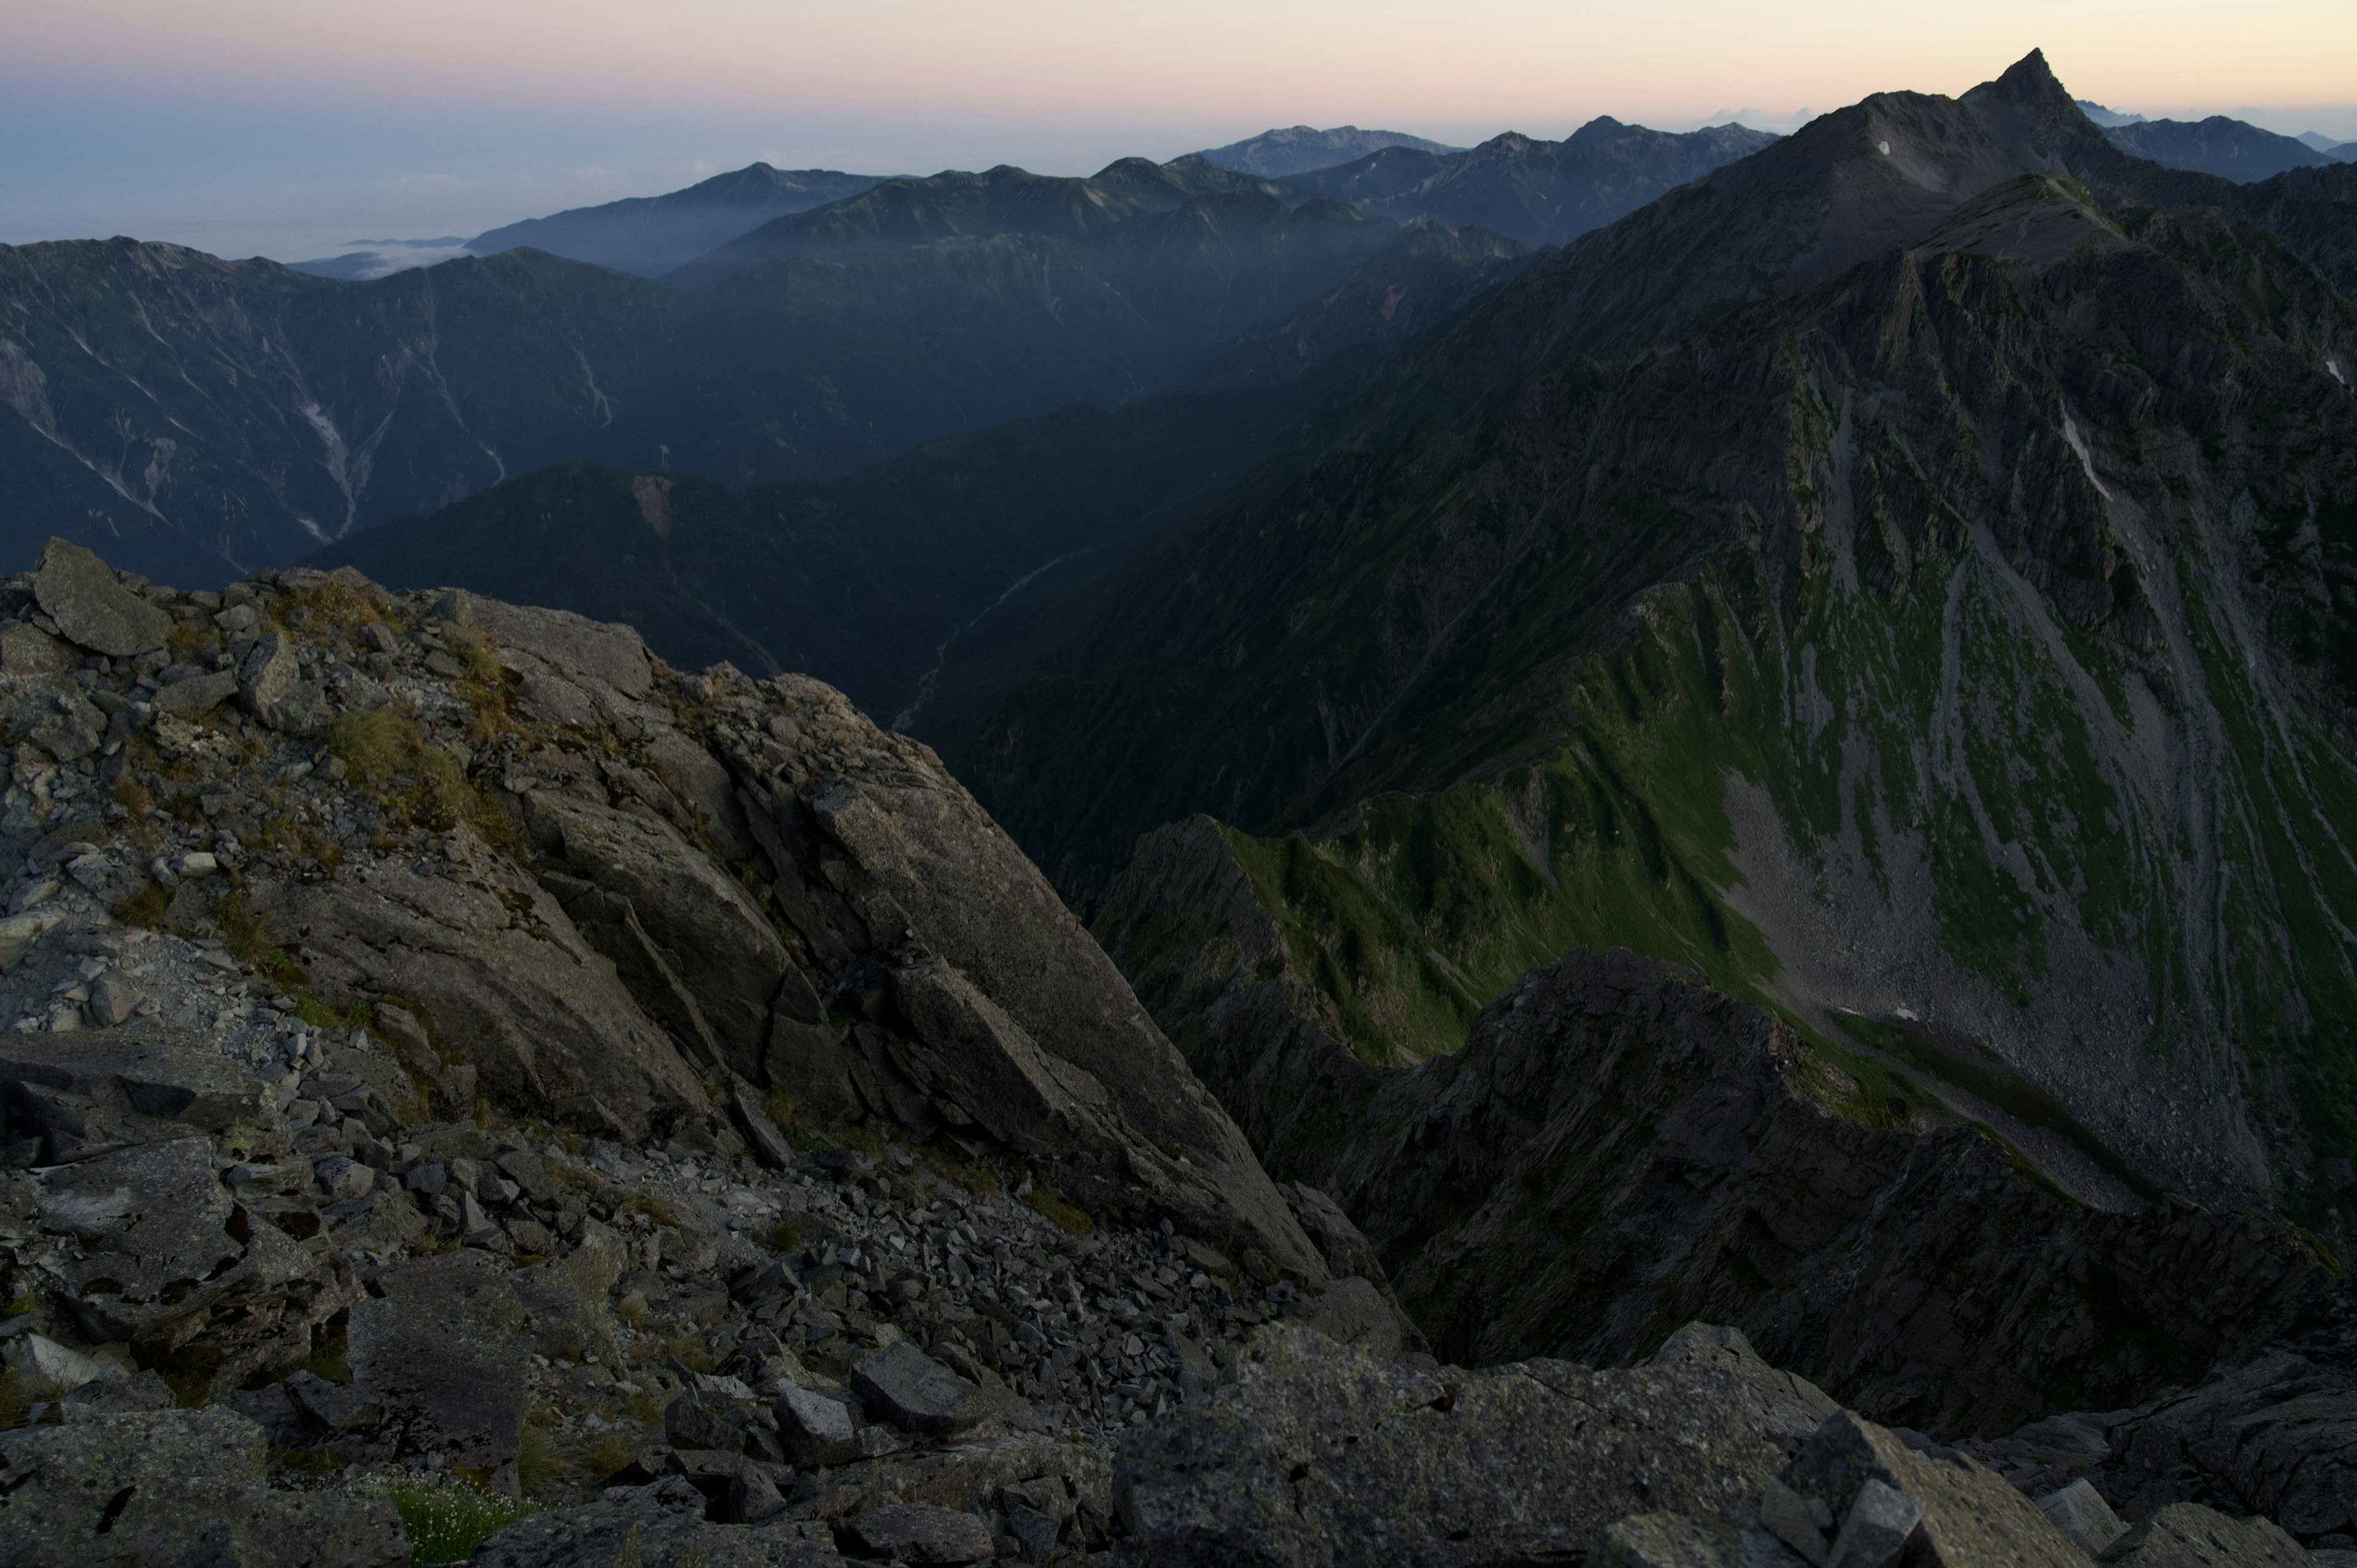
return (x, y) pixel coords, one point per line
(1298, 149)
(1539, 192)
(651, 235)
(2232, 149)
(180, 407)
(1892, 574)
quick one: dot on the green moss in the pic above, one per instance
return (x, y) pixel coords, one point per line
(447, 1519)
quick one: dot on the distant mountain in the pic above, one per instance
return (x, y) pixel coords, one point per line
(1298, 149)
(956, 205)
(927, 586)
(2231, 149)
(1786, 580)
(381, 258)
(2107, 117)
(176, 408)
(650, 235)
(1538, 192)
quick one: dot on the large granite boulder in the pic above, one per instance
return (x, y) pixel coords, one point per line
(172, 1488)
(80, 593)
(443, 1352)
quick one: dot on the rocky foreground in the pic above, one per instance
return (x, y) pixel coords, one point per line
(475, 1093)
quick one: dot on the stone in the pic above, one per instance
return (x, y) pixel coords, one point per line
(2189, 1535)
(78, 591)
(343, 1179)
(1035, 1532)
(141, 1390)
(444, 1351)
(59, 1368)
(1667, 1540)
(2080, 1512)
(814, 1429)
(687, 1424)
(1791, 1520)
(1879, 1522)
(1357, 1312)
(608, 652)
(27, 650)
(165, 1489)
(524, 1167)
(113, 1000)
(197, 694)
(1792, 1406)
(659, 1525)
(507, 979)
(270, 683)
(752, 1498)
(2275, 1436)
(1317, 1453)
(918, 1534)
(916, 1393)
(1962, 1513)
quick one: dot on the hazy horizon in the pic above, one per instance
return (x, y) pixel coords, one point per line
(248, 127)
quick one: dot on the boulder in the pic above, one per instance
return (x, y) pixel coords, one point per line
(92, 610)
(2275, 1436)
(658, 1525)
(507, 979)
(1320, 1453)
(27, 650)
(2079, 1511)
(918, 1534)
(443, 1351)
(603, 651)
(814, 1429)
(916, 1393)
(197, 694)
(1884, 1493)
(2187, 1535)
(174, 1487)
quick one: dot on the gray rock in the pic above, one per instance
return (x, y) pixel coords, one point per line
(27, 650)
(1355, 1312)
(1323, 1455)
(1794, 1407)
(60, 1368)
(1034, 1531)
(1965, 1513)
(916, 1393)
(657, 1526)
(814, 1429)
(2187, 1535)
(687, 1424)
(2278, 1436)
(197, 694)
(1791, 1520)
(1876, 1527)
(607, 652)
(1322, 1220)
(271, 686)
(113, 1000)
(91, 609)
(444, 1351)
(508, 980)
(1668, 1541)
(161, 1488)
(142, 1390)
(918, 1534)
(2080, 1512)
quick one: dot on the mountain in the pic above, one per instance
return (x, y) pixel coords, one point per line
(487, 1095)
(1542, 193)
(651, 235)
(2107, 118)
(178, 406)
(378, 257)
(926, 586)
(1890, 575)
(2231, 149)
(1298, 149)
(955, 205)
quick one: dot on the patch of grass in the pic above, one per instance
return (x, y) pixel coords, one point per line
(23, 1302)
(187, 637)
(334, 612)
(979, 1180)
(322, 1015)
(1044, 1200)
(784, 1238)
(18, 1393)
(328, 1350)
(654, 1205)
(188, 1372)
(783, 1110)
(248, 941)
(376, 744)
(540, 1466)
(446, 1520)
(144, 908)
(612, 1454)
(646, 1405)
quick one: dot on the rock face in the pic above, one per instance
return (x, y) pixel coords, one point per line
(1703, 1458)
(1674, 1154)
(91, 608)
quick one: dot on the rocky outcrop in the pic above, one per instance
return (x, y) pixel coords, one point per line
(1705, 1458)
(1672, 1154)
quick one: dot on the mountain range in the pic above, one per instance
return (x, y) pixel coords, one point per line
(1890, 575)
(651, 235)
(2232, 149)
(1298, 149)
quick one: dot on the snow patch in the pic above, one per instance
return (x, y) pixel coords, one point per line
(2079, 445)
(2332, 368)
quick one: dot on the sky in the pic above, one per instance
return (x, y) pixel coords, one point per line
(293, 128)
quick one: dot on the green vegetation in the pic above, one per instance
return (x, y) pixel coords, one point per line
(447, 1519)
(1043, 1200)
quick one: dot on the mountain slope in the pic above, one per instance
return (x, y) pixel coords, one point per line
(1542, 193)
(1955, 638)
(2231, 149)
(174, 405)
(1298, 149)
(650, 235)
